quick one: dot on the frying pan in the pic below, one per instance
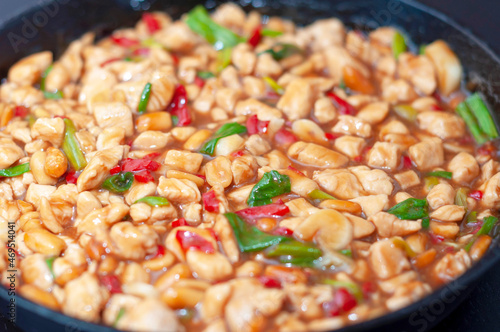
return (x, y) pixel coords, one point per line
(53, 24)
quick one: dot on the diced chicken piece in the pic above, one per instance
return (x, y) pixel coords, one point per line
(10, 152)
(464, 168)
(340, 183)
(374, 181)
(98, 168)
(177, 37)
(298, 99)
(110, 137)
(449, 213)
(491, 193)
(384, 155)
(374, 113)
(244, 58)
(337, 58)
(372, 204)
(452, 266)
(419, 70)
(149, 315)
(300, 185)
(84, 298)
(324, 111)
(49, 129)
(394, 127)
(427, 154)
(28, 70)
(225, 235)
(244, 169)
(407, 179)
(383, 36)
(114, 114)
(257, 145)
(387, 260)
(35, 193)
(447, 65)
(325, 33)
(440, 195)
(442, 124)
(252, 106)
(132, 242)
(213, 267)
(351, 146)
(34, 270)
(316, 155)
(351, 125)
(178, 190)
(267, 66)
(360, 226)
(189, 162)
(308, 131)
(408, 293)
(300, 207)
(389, 225)
(398, 91)
(448, 230)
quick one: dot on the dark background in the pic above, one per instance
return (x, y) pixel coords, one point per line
(479, 312)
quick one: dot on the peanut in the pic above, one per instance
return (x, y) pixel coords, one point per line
(35, 294)
(218, 171)
(56, 163)
(44, 242)
(480, 247)
(154, 121)
(194, 142)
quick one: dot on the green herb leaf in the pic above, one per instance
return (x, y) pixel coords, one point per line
(44, 77)
(483, 115)
(48, 94)
(143, 101)
(353, 288)
(15, 170)
(471, 122)
(271, 185)
(71, 147)
(53, 95)
(205, 75)
(227, 129)
(398, 44)
(154, 201)
(346, 252)
(426, 222)
(410, 209)
(200, 22)
(295, 249)
(441, 174)
(50, 263)
(281, 51)
(319, 194)
(120, 314)
(223, 59)
(249, 237)
(119, 183)
(270, 33)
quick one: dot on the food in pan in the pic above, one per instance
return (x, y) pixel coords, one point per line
(236, 172)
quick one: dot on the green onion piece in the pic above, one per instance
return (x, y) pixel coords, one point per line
(421, 49)
(483, 115)
(50, 263)
(151, 42)
(274, 85)
(461, 197)
(410, 209)
(44, 77)
(120, 314)
(119, 183)
(128, 59)
(353, 288)
(200, 22)
(205, 75)
(399, 242)
(298, 261)
(71, 147)
(398, 44)
(271, 185)
(270, 33)
(426, 222)
(441, 174)
(143, 102)
(53, 95)
(488, 224)
(175, 120)
(342, 85)
(406, 112)
(295, 249)
(48, 94)
(249, 237)
(471, 217)
(281, 51)
(31, 120)
(471, 122)
(223, 59)
(319, 194)
(227, 129)
(154, 201)
(15, 170)
(430, 182)
(346, 252)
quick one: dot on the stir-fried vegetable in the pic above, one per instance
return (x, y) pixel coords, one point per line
(406, 112)
(398, 44)
(343, 106)
(441, 174)
(119, 183)
(120, 314)
(223, 59)
(210, 201)
(154, 201)
(178, 107)
(205, 75)
(320, 194)
(485, 229)
(249, 237)
(430, 182)
(274, 85)
(461, 197)
(471, 122)
(471, 217)
(270, 33)
(192, 241)
(346, 252)
(353, 288)
(271, 185)
(483, 115)
(143, 101)
(426, 222)
(281, 51)
(49, 94)
(15, 170)
(227, 129)
(200, 22)
(270, 210)
(50, 264)
(71, 147)
(296, 249)
(410, 209)
(401, 243)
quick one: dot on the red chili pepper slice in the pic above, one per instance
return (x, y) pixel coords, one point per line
(256, 36)
(115, 170)
(124, 41)
(332, 137)
(112, 283)
(199, 81)
(343, 106)
(476, 194)
(21, 111)
(407, 164)
(210, 201)
(477, 227)
(296, 170)
(189, 240)
(151, 156)
(435, 107)
(178, 106)
(269, 210)
(283, 231)
(144, 176)
(284, 137)
(344, 299)
(255, 126)
(178, 223)
(72, 177)
(368, 287)
(436, 239)
(143, 51)
(151, 22)
(160, 251)
(237, 154)
(107, 62)
(269, 282)
(135, 165)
